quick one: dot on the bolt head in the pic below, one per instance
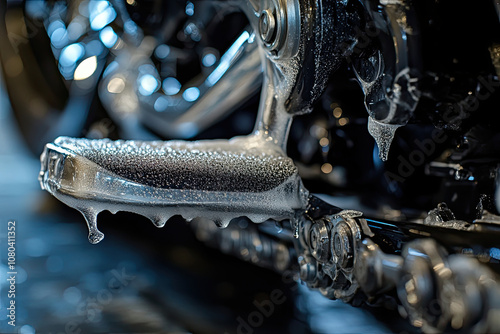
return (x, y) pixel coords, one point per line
(267, 26)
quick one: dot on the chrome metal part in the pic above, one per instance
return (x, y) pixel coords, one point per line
(438, 291)
(279, 64)
(279, 25)
(309, 34)
(376, 271)
(442, 292)
(319, 241)
(344, 237)
(218, 180)
(267, 26)
(236, 77)
(329, 250)
(424, 263)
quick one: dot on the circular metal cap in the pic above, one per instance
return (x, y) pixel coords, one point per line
(267, 26)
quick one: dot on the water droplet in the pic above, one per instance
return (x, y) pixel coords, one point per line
(383, 135)
(158, 221)
(279, 226)
(95, 236)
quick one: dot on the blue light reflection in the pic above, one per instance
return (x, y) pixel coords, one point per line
(191, 94)
(147, 84)
(71, 54)
(101, 14)
(171, 86)
(108, 37)
(226, 59)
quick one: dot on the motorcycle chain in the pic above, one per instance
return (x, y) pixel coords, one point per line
(355, 259)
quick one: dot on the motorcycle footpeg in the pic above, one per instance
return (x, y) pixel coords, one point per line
(218, 180)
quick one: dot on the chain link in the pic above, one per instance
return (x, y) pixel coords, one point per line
(338, 256)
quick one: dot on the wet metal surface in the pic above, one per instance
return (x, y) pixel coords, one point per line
(160, 281)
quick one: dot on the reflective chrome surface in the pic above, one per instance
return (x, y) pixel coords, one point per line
(435, 267)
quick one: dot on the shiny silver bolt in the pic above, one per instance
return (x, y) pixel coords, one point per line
(307, 272)
(267, 26)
